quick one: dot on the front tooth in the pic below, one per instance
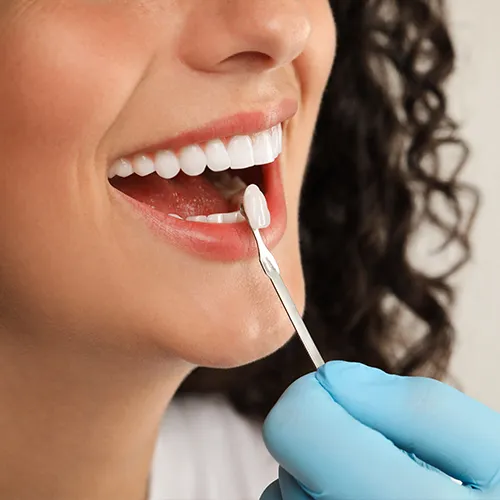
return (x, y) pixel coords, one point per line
(167, 164)
(227, 218)
(263, 148)
(241, 152)
(233, 217)
(275, 142)
(216, 218)
(143, 165)
(112, 172)
(123, 168)
(197, 218)
(192, 160)
(217, 157)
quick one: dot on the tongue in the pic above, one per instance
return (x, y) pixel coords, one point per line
(184, 195)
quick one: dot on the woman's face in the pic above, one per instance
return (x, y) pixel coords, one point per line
(84, 83)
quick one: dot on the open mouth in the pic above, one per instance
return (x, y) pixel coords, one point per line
(191, 197)
(200, 183)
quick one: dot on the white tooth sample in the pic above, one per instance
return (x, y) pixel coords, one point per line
(175, 216)
(240, 151)
(143, 165)
(193, 160)
(216, 218)
(256, 209)
(197, 218)
(262, 148)
(217, 156)
(280, 141)
(275, 142)
(123, 168)
(167, 164)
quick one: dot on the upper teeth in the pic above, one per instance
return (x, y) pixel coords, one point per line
(241, 151)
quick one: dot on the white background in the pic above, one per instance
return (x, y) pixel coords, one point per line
(475, 102)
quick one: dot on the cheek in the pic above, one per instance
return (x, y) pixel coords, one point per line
(315, 63)
(313, 69)
(64, 77)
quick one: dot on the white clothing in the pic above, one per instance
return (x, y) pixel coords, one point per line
(206, 451)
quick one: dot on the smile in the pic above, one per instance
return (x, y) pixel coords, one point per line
(190, 194)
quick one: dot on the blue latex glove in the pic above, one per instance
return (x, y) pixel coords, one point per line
(353, 432)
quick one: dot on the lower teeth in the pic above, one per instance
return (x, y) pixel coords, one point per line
(228, 218)
(232, 189)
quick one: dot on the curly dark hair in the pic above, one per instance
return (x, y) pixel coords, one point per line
(375, 174)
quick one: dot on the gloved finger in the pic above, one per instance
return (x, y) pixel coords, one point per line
(272, 492)
(439, 424)
(334, 456)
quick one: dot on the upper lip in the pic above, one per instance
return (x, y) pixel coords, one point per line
(244, 123)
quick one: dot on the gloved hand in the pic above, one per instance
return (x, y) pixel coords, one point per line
(353, 432)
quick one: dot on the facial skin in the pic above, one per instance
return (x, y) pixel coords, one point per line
(99, 320)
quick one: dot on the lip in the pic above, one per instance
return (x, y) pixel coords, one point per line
(222, 242)
(238, 124)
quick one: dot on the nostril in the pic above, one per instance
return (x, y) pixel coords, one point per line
(256, 34)
(248, 61)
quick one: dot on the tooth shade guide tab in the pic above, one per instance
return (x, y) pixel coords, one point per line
(255, 208)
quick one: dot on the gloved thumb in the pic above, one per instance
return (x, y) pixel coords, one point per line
(332, 455)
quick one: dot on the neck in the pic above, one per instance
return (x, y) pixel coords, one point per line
(79, 423)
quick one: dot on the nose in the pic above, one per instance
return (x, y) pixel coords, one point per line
(244, 35)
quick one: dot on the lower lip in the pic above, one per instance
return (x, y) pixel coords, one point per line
(222, 242)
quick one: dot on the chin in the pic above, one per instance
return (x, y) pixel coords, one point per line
(250, 346)
(239, 343)
(253, 329)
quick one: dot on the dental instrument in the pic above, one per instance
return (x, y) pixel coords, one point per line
(256, 212)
